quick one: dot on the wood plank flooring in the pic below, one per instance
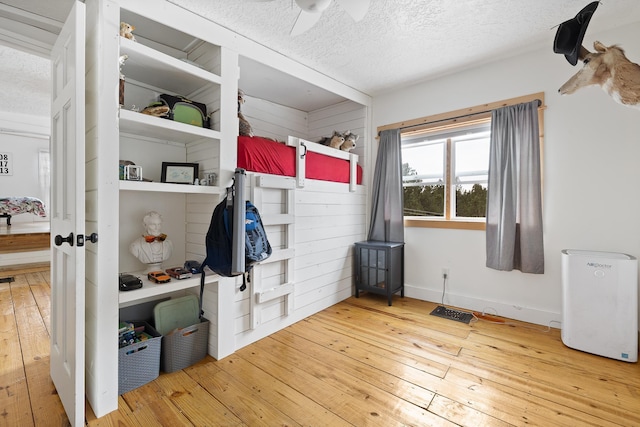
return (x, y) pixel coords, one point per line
(358, 363)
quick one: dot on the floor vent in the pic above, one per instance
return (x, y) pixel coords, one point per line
(7, 279)
(448, 313)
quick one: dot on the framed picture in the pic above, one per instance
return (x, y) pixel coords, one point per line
(132, 173)
(179, 173)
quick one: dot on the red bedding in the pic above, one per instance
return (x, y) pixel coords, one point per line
(267, 156)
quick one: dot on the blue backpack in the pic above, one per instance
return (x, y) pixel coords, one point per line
(218, 242)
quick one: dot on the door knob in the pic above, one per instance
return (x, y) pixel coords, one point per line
(93, 238)
(59, 240)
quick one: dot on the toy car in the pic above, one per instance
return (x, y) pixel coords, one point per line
(129, 282)
(158, 277)
(178, 273)
(193, 266)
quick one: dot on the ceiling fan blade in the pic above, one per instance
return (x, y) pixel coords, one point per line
(304, 22)
(355, 8)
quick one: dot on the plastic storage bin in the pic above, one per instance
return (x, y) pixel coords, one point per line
(184, 347)
(185, 337)
(139, 363)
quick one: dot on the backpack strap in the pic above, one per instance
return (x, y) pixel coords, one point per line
(201, 313)
(244, 282)
(246, 278)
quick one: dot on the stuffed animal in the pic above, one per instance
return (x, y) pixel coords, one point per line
(334, 141)
(244, 127)
(349, 141)
(126, 31)
(156, 110)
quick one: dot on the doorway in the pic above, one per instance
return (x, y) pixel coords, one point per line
(24, 146)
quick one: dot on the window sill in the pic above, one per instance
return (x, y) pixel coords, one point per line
(441, 223)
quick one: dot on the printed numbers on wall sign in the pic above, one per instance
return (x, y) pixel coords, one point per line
(6, 164)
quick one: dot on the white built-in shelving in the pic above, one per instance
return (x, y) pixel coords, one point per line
(166, 60)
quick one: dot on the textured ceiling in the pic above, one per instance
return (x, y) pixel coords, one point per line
(25, 83)
(399, 42)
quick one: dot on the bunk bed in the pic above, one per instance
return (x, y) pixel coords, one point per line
(300, 159)
(304, 189)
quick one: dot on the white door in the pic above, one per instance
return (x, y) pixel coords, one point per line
(67, 215)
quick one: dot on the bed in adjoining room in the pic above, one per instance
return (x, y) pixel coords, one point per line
(24, 242)
(11, 206)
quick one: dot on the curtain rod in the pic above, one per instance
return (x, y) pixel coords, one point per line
(485, 108)
(458, 117)
(442, 120)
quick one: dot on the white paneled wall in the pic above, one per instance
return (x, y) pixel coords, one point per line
(341, 117)
(273, 120)
(328, 219)
(328, 222)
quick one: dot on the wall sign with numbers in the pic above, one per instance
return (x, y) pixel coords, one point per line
(6, 164)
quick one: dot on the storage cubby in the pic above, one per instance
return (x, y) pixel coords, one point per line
(164, 60)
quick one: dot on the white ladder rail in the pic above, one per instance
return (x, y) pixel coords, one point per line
(259, 296)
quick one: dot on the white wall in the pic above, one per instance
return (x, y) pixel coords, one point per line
(24, 137)
(591, 180)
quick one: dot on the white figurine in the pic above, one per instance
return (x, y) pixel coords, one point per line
(121, 61)
(152, 248)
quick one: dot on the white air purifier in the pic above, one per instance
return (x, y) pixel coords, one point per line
(600, 303)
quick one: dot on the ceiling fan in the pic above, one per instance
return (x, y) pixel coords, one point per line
(311, 10)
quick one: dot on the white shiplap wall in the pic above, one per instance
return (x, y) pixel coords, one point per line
(272, 120)
(328, 220)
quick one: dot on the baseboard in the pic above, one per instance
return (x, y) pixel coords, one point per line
(525, 314)
(24, 258)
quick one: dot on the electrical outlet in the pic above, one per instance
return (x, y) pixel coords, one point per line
(445, 272)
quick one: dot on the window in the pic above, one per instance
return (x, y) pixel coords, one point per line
(445, 171)
(445, 161)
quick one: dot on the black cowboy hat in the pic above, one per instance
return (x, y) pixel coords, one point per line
(570, 33)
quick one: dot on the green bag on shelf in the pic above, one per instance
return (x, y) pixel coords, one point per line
(184, 110)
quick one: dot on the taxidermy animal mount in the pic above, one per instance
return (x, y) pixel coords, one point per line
(609, 68)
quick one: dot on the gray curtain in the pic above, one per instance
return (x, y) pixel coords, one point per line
(387, 223)
(514, 199)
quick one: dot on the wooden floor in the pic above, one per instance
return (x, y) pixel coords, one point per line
(357, 363)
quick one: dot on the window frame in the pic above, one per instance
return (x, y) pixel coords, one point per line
(463, 117)
(446, 135)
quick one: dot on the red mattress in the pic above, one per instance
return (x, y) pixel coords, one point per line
(267, 156)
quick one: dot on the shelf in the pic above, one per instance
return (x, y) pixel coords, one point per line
(169, 188)
(161, 129)
(155, 68)
(150, 289)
